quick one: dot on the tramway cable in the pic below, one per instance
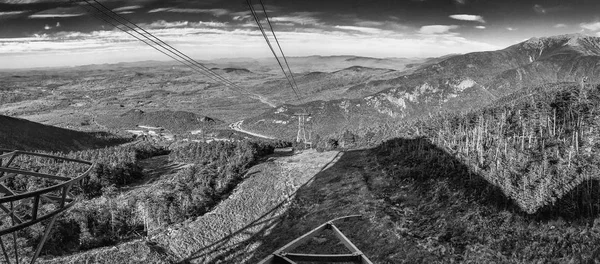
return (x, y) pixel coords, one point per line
(142, 40)
(184, 59)
(278, 45)
(176, 51)
(270, 46)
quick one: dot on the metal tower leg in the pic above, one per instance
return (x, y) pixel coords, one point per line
(46, 234)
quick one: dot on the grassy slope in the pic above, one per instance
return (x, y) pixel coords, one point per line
(417, 210)
(259, 202)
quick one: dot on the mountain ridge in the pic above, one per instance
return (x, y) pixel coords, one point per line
(464, 82)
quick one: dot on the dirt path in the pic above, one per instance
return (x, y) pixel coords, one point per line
(340, 190)
(256, 205)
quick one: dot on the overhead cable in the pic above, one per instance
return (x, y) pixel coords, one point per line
(277, 40)
(270, 46)
(155, 41)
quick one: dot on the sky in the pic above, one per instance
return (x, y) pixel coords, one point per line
(47, 33)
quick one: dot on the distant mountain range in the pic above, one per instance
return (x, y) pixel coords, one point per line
(455, 83)
(339, 91)
(317, 63)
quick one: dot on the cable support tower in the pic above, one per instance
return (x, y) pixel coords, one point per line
(21, 208)
(114, 19)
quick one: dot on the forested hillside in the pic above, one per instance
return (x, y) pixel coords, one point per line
(539, 146)
(114, 209)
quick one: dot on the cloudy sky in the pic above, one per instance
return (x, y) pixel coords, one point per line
(39, 33)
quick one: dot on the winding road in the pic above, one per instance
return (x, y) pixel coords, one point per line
(237, 126)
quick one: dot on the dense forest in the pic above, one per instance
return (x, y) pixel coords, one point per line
(536, 146)
(109, 212)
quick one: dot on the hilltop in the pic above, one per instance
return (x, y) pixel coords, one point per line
(455, 84)
(16, 133)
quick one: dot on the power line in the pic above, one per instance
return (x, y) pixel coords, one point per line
(184, 59)
(177, 52)
(138, 38)
(270, 46)
(280, 49)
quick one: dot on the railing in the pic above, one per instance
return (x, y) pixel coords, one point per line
(23, 209)
(284, 255)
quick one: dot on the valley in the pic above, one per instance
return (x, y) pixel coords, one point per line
(485, 157)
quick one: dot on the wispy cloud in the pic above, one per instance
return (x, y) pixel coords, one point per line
(24, 2)
(223, 40)
(437, 29)
(127, 8)
(545, 10)
(161, 24)
(162, 9)
(12, 13)
(165, 24)
(480, 27)
(214, 11)
(54, 15)
(58, 12)
(302, 18)
(368, 30)
(369, 23)
(466, 17)
(560, 26)
(240, 15)
(591, 26)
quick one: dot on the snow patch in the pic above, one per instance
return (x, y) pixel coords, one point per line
(280, 122)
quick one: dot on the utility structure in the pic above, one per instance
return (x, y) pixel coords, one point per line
(21, 208)
(303, 117)
(286, 254)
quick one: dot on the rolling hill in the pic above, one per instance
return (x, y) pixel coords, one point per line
(457, 83)
(174, 121)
